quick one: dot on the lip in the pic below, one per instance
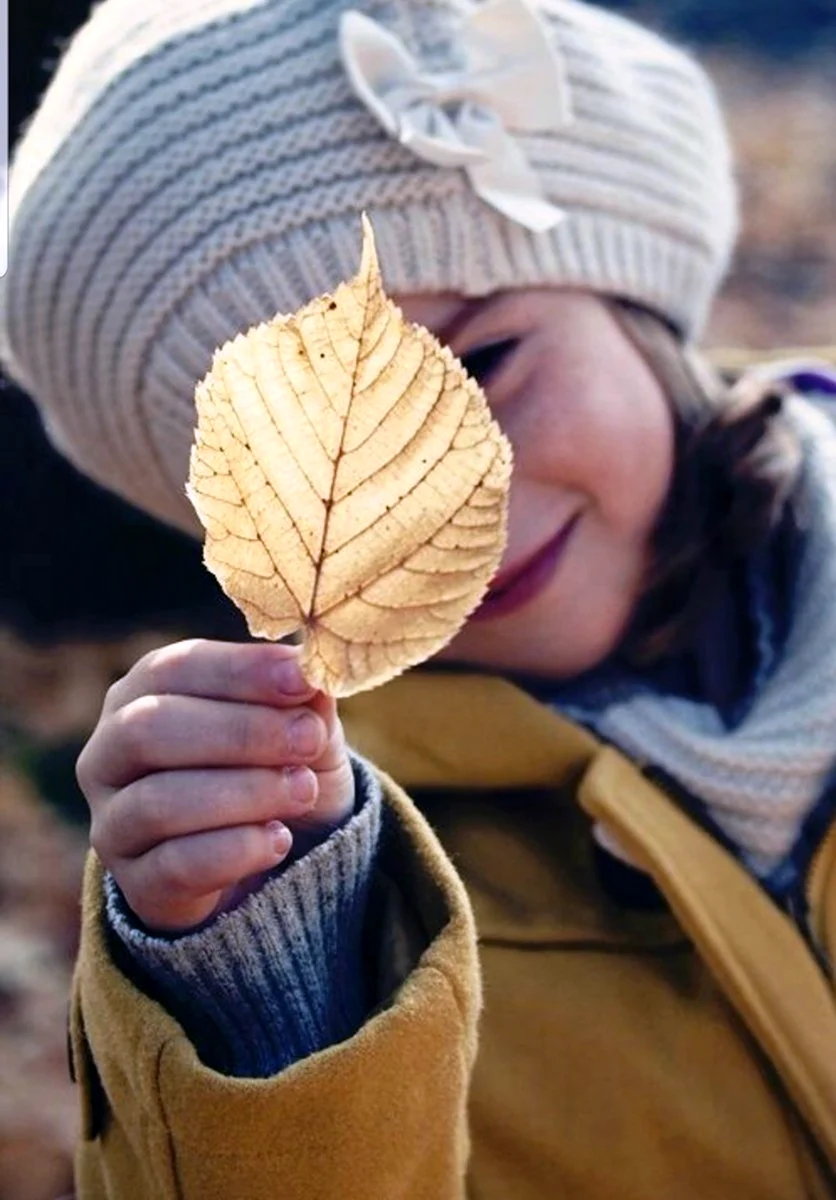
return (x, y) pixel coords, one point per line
(520, 583)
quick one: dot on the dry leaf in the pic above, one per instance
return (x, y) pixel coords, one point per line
(351, 482)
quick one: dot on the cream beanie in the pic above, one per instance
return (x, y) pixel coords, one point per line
(198, 165)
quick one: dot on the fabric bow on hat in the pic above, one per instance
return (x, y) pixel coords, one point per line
(512, 81)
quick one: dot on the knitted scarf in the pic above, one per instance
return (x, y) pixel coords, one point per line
(765, 777)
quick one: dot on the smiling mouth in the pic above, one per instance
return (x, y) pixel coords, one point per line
(519, 584)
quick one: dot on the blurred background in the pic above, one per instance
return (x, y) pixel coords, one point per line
(87, 584)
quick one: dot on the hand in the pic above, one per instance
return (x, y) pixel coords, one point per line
(207, 760)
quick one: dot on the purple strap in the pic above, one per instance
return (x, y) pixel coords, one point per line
(818, 378)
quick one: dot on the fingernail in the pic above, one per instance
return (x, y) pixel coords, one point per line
(288, 678)
(301, 785)
(280, 836)
(306, 734)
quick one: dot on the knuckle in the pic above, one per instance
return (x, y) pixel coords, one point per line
(136, 726)
(138, 680)
(171, 668)
(258, 786)
(84, 772)
(246, 731)
(98, 837)
(234, 670)
(113, 696)
(91, 765)
(160, 666)
(146, 809)
(245, 849)
(151, 671)
(337, 738)
(173, 870)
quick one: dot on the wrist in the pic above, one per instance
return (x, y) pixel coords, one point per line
(281, 976)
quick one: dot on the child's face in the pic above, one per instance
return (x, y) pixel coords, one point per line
(593, 456)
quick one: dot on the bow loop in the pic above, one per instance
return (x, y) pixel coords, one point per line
(512, 81)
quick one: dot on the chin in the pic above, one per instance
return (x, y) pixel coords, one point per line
(506, 659)
(516, 649)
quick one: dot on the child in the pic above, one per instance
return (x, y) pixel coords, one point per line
(618, 773)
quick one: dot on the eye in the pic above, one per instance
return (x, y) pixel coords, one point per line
(485, 361)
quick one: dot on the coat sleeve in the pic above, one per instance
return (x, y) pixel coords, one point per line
(381, 1114)
(282, 974)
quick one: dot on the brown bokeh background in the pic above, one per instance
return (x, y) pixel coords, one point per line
(53, 676)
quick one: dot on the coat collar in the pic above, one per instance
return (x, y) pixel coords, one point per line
(432, 728)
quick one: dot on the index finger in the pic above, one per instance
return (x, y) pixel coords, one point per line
(262, 673)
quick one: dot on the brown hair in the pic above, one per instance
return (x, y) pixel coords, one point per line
(737, 461)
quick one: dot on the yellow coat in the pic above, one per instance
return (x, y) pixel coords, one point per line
(688, 1055)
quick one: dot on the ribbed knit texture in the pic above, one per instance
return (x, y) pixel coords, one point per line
(281, 976)
(760, 780)
(197, 165)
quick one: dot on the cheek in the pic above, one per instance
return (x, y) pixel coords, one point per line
(610, 441)
(630, 464)
(604, 451)
(608, 573)
(607, 452)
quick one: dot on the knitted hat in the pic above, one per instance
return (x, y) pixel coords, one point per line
(198, 165)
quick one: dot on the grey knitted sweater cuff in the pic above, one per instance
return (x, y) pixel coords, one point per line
(281, 976)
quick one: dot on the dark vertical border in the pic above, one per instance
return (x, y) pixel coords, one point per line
(4, 136)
